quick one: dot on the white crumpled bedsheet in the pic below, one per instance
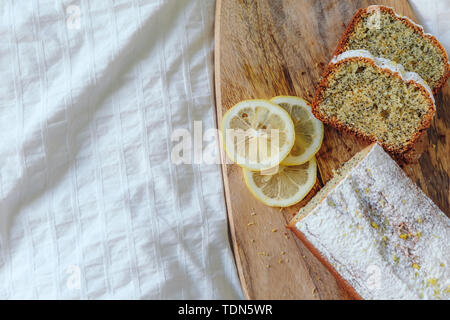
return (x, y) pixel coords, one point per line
(91, 205)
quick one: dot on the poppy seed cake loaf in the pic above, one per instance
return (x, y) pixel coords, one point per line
(377, 232)
(382, 32)
(375, 99)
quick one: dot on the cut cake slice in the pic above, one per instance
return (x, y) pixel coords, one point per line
(377, 232)
(384, 33)
(375, 99)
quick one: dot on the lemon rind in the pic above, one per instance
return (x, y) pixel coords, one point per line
(285, 204)
(291, 160)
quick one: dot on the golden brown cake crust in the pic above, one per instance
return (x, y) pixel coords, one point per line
(400, 154)
(363, 12)
(349, 293)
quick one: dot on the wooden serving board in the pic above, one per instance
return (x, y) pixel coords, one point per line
(265, 48)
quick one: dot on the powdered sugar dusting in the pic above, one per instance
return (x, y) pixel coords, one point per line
(386, 64)
(382, 234)
(377, 7)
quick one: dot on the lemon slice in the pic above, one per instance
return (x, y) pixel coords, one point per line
(257, 134)
(284, 188)
(308, 130)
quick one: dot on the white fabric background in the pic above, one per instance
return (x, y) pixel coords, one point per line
(90, 204)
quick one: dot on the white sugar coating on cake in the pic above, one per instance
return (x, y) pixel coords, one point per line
(382, 234)
(377, 7)
(386, 64)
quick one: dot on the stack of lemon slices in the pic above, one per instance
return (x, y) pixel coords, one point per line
(275, 143)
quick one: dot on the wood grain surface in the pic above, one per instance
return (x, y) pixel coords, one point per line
(265, 48)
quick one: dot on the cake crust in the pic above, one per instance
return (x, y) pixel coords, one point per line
(349, 292)
(403, 154)
(406, 21)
